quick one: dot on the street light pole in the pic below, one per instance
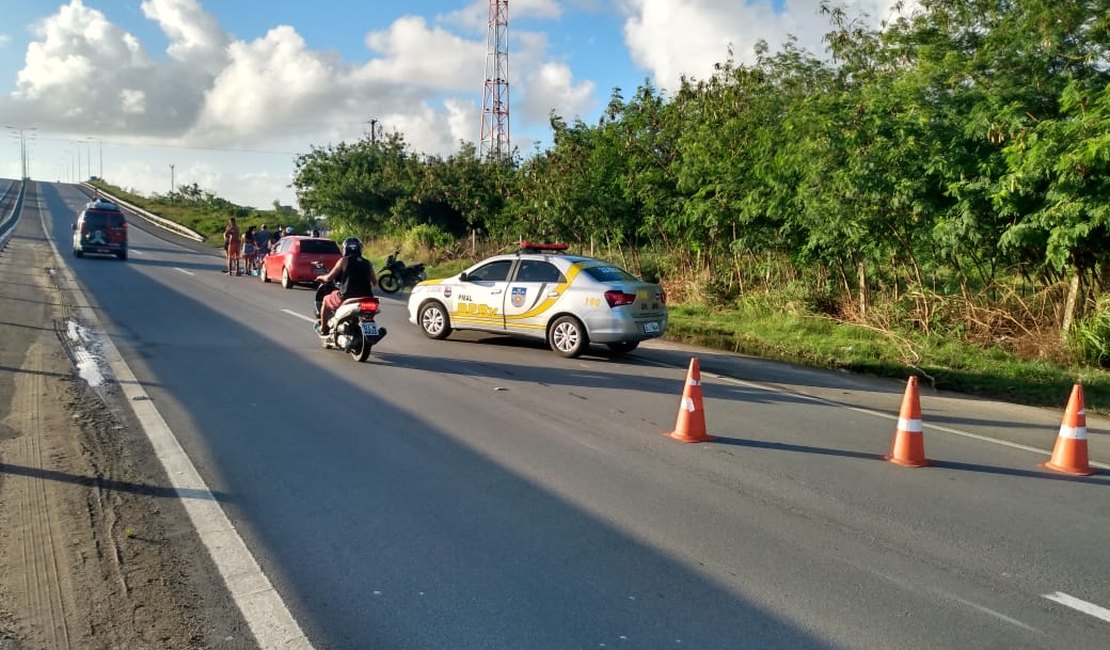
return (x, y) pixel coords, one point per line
(171, 180)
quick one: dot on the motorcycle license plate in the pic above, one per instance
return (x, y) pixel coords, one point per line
(369, 329)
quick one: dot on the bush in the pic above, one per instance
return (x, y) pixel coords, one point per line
(1090, 337)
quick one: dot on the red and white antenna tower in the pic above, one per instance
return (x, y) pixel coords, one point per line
(495, 93)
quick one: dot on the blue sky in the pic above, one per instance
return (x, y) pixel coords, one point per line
(229, 91)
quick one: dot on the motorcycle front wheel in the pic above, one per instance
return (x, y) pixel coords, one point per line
(387, 282)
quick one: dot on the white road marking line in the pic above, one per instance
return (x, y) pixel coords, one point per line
(867, 411)
(137, 252)
(1000, 616)
(184, 271)
(300, 316)
(266, 614)
(1081, 605)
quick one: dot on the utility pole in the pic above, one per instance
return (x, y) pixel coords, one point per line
(374, 130)
(24, 166)
(494, 139)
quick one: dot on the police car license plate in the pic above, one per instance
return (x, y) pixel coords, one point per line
(651, 328)
(369, 329)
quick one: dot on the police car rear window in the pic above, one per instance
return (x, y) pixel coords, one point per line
(103, 218)
(610, 274)
(319, 246)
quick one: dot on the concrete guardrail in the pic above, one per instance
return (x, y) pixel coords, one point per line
(162, 223)
(7, 222)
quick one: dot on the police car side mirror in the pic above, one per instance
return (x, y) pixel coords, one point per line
(463, 277)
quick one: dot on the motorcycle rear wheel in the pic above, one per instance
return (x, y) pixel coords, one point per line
(388, 283)
(359, 349)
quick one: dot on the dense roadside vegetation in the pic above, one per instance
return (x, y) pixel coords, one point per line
(931, 197)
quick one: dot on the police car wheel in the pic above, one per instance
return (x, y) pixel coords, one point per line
(433, 320)
(567, 337)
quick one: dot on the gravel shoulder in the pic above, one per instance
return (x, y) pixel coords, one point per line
(96, 550)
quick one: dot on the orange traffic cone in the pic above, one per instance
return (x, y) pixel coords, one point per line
(1070, 454)
(690, 425)
(908, 447)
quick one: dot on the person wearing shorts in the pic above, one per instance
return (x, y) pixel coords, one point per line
(249, 251)
(231, 245)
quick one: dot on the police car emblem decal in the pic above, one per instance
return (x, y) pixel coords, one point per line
(518, 296)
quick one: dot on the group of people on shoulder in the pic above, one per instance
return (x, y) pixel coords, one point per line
(353, 275)
(244, 251)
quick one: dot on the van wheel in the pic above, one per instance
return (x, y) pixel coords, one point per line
(567, 337)
(122, 255)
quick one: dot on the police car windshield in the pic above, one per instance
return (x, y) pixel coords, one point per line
(610, 274)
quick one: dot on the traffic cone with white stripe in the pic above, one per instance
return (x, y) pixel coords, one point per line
(690, 425)
(1070, 454)
(908, 447)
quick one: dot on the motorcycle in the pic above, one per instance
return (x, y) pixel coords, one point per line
(395, 275)
(352, 328)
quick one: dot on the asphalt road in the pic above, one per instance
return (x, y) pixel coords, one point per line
(482, 492)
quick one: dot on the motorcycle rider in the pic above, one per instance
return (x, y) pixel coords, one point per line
(354, 277)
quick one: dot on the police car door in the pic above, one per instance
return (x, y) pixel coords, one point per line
(532, 292)
(481, 297)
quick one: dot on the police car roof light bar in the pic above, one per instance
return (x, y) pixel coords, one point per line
(536, 247)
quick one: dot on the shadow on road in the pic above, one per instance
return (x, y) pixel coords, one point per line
(111, 485)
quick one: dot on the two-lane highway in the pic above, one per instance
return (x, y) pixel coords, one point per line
(482, 492)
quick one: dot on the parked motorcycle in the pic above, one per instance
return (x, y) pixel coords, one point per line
(352, 328)
(395, 275)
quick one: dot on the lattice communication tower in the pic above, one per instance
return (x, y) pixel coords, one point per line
(495, 93)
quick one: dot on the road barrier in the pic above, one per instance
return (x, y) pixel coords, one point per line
(154, 219)
(1070, 453)
(7, 223)
(690, 424)
(908, 447)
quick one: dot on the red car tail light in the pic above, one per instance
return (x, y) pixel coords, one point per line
(368, 305)
(662, 296)
(617, 298)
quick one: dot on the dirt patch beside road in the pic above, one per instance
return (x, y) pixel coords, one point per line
(95, 548)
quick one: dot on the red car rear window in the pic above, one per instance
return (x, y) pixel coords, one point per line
(319, 246)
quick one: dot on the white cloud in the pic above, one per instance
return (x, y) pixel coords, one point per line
(196, 38)
(672, 39)
(213, 97)
(4, 39)
(552, 88)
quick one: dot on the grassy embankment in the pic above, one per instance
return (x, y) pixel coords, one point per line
(759, 328)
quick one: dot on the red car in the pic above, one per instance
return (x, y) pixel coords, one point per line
(298, 260)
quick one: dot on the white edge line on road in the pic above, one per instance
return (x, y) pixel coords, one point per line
(184, 271)
(300, 316)
(1081, 605)
(262, 607)
(866, 411)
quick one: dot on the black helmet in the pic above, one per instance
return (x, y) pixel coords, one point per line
(352, 247)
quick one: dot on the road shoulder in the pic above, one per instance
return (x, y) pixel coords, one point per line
(95, 550)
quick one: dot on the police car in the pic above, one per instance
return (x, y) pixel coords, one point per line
(539, 292)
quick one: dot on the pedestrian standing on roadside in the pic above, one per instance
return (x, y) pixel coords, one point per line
(231, 246)
(249, 250)
(262, 244)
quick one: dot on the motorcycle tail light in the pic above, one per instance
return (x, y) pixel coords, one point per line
(369, 305)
